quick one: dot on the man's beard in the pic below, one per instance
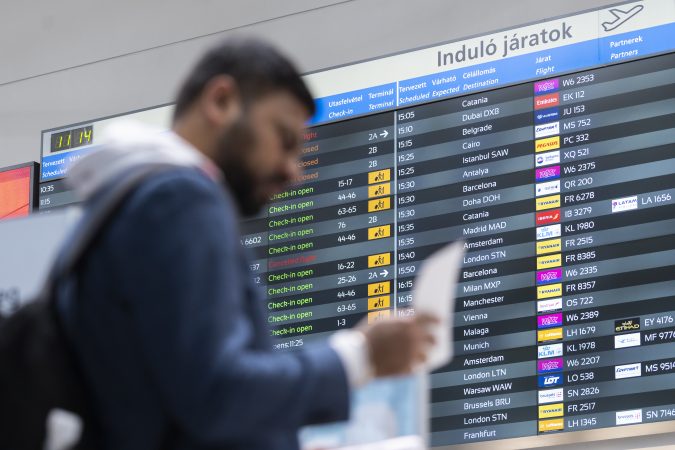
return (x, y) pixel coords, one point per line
(234, 147)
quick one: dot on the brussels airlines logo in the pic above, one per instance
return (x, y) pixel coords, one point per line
(550, 396)
(624, 204)
(546, 101)
(547, 129)
(550, 320)
(546, 86)
(545, 217)
(628, 371)
(549, 276)
(628, 417)
(546, 159)
(547, 173)
(546, 381)
(550, 365)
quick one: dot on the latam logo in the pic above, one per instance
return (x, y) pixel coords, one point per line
(546, 86)
(551, 246)
(550, 334)
(549, 276)
(546, 130)
(544, 217)
(550, 320)
(546, 101)
(628, 371)
(546, 115)
(550, 396)
(547, 188)
(546, 159)
(550, 365)
(547, 381)
(628, 417)
(547, 173)
(549, 291)
(554, 304)
(550, 350)
(549, 231)
(544, 145)
(624, 204)
(627, 340)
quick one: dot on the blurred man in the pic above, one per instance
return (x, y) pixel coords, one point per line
(164, 317)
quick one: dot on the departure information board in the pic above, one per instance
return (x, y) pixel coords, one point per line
(554, 163)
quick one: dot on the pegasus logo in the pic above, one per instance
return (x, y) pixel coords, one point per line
(621, 17)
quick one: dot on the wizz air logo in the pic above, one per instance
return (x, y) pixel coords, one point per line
(621, 16)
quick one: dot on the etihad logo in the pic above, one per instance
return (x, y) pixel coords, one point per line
(548, 261)
(627, 340)
(623, 325)
(551, 395)
(554, 304)
(628, 417)
(547, 381)
(549, 350)
(546, 101)
(549, 231)
(547, 173)
(546, 426)
(550, 202)
(543, 145)
(628, 371)
(547, 188)
(546, 115)
(624, 204)
(549, 276)
(550, 246)
(551, 334)
(554, 410)
(550, 365)
(546, 130)
(546, 86)
(550, 320)
(542, 218)
(549, 291)
(546, 159)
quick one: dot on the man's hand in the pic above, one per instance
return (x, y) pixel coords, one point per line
(396, 346)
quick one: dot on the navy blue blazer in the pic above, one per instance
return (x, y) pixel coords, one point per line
(171, 331)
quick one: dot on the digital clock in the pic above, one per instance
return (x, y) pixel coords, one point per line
(66, 140)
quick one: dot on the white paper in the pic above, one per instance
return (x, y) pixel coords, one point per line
(434, 293)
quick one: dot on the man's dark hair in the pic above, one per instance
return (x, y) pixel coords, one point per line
(257, 67)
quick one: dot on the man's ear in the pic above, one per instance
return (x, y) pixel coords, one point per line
(220, 101)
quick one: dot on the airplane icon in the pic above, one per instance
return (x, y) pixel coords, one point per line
(621, 17)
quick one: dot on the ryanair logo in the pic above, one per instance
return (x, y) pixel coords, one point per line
(544, 262)
(544, 145)
(554, 410)
(548, 291)
(552, 201)
(550, 246)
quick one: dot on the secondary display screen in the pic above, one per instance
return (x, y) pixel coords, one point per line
(563, 190)
(16, 191)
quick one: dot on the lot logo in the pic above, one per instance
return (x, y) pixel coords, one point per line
(549, 276)
(627, 340)
(623, 325)
(546, 159)
(547, 173)
(628, 417)
(624, 204)
(628, 371)
(547, 381)
(542, 218)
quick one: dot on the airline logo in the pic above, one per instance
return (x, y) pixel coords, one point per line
(554, 304)
(544, 145)
(549, 231)
(554, 410)
(550, 246)
(547, 173)
(550, 396)
(627, 340)
(551, 334)
(549, 350)
(624, 204)
(549, 202)
(546, 159)
(628, 417)
(546, 86)
(547, 115)
(628, 371)
(546, 101)
(550, 365)
(546, 426)
(550, 187)
(548, 261)
(549, 291)
(546, 130)
(542, 218)
(550, 320)
(549, 276)
(547, 381)
(623, 325)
